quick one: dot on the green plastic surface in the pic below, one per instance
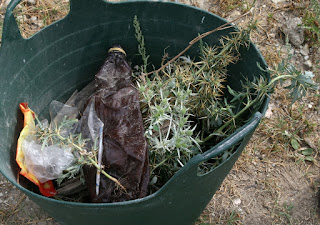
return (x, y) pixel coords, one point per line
(65, 56)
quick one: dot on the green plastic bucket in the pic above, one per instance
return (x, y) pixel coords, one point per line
(65, 56)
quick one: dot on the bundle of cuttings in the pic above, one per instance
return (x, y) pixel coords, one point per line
(183, 104)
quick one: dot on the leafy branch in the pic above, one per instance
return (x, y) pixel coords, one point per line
(59, 134)
(300, 83)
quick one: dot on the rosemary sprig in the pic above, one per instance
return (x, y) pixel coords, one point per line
(59, 134)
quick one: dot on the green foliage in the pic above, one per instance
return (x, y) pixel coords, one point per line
(285, 212)
(184, 107)
(169, 131)
(311, 21)
(141, 46)
(307, 154)
(186, 93)
(234, 218)
(300, 81)
(61, 135)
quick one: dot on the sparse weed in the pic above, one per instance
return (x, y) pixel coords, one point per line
(284, 213)
(311, 21)
(230, 5)
(234, 218)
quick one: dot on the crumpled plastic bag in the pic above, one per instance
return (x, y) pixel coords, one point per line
(125, 152)
(42, 164)
(46, 163)
(60, 111)
(46, 188)
(91, 128)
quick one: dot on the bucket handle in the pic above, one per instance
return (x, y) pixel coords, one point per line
(11, 30)
(233, 139)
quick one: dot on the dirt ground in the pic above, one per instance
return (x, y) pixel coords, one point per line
(272, 182)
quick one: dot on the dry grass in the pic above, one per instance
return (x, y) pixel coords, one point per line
(33, 17)
(273, 182)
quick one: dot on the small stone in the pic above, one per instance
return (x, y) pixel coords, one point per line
(1, 194)
(308, 64)
(306, 57)
(33, 18)
(237, 201)
(293, 29)
(272, 35)
(310, 106)
(269, 111)
(40, 24)
(33, 2)
(278, 1)
(234, 15)
(305, 50)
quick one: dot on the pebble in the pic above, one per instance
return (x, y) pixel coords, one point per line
(237, 201)
(234, 15)
(33, 2)
(272, 35)
(293, 30)
(40, 24)
(33, 18)
(308, 64)
(1, 194)
(268, 113)
(278, 1)
(304, 50)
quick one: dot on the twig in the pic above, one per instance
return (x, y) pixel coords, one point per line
(222, 27)
(91, 161)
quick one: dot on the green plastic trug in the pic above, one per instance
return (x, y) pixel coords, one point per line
(65, 56)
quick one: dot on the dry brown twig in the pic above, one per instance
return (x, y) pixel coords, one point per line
(195, 40)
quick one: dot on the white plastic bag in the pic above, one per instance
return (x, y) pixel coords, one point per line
(47, 163)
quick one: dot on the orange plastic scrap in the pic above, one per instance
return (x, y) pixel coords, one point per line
(46, 188)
